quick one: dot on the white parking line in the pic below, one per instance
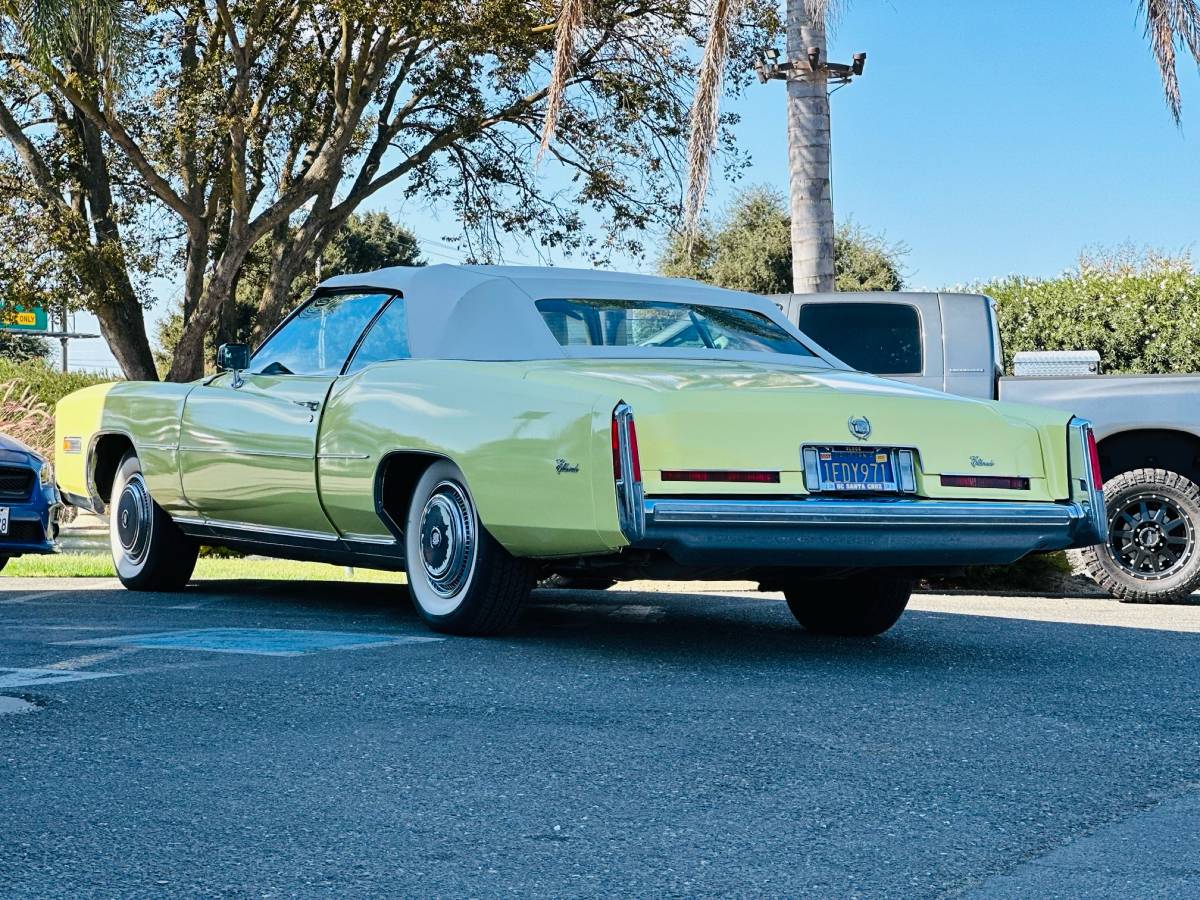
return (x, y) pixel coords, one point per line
(90, 659)
(25, 598)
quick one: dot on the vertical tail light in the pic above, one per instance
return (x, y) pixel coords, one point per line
(1094, 460)
(627, 472)
(633, 451)
(616, 447)
(1086, 477)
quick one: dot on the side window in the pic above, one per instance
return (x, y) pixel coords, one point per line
(317, 340)
(387, 339)
(880, 338)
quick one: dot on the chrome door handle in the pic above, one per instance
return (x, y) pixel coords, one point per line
(311, 405)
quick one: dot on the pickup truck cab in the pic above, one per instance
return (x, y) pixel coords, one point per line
(1148, 426)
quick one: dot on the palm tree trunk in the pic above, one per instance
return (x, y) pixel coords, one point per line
(808, 153)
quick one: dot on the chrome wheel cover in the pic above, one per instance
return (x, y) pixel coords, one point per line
(133, 521)
(1150, 537)
(448, 539)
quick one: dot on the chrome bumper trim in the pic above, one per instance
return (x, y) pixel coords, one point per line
(870, 532)
(861, 513)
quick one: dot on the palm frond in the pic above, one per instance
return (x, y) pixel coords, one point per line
(570, 24)
(92, 32)
(1172, 25)
(705, 114)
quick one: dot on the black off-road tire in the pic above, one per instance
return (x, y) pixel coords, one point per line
(3, 561)
(559, 582)
(483, 586)
(149, 551)
(1111, 567)
(861, 606)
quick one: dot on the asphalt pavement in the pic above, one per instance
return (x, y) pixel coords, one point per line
(258, 739)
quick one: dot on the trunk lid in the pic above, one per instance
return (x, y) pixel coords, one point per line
(714, 416)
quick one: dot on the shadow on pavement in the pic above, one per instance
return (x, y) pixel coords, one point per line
(678, 629)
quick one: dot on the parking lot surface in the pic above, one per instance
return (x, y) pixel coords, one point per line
(281, 739)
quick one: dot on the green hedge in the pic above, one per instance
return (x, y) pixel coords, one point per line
(1142, 315)
(47, 383)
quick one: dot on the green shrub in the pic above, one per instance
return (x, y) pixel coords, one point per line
(46, 383)
(1142, 312)
(750, 249)
(28, 391)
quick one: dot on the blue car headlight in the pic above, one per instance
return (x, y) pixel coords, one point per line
(46, 474)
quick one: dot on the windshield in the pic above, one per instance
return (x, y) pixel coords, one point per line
(648, 323)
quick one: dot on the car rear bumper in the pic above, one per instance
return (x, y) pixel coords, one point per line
(869, 533)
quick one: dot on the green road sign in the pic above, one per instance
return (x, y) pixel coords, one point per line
(14, 317)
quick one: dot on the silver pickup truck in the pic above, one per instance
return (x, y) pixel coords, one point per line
(1148, 426)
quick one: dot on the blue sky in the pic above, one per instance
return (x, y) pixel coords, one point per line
(990, 138)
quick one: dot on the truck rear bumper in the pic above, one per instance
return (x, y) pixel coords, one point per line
(868, 533)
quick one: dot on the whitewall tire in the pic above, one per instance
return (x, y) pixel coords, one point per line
(461, 580)
(149, 551)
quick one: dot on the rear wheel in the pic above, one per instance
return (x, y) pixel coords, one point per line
(149, 551)
(462, 581)
(861, 606)
(1153, 522)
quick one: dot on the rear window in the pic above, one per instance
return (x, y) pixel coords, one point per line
(881, 338)
(648, 324)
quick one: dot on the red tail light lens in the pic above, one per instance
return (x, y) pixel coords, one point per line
(739, 477)
(985, 481)
(625, 418)
(616, 448)
(1094, 459)
(633, 451)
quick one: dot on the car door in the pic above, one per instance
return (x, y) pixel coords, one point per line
(248, 441)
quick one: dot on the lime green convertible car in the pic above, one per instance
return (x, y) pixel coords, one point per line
(484, 427)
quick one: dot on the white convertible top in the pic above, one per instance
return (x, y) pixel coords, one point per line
(488, 312)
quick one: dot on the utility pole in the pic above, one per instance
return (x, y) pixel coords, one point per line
(808, 73)
(62, 322)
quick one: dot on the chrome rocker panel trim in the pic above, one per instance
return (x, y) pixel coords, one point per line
(867, 533)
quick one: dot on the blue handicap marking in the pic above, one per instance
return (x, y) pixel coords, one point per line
(261, 641)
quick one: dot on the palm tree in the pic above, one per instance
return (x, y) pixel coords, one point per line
(1171, 26)
(809, 200)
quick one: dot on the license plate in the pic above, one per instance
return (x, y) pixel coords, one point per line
(852, 469)
(3, 520)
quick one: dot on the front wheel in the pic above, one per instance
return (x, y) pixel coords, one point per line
(461, 580)
(149, 551)
(1151, 554)
(860, 606)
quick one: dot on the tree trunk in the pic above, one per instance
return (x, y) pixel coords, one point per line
(124, 329)
(808, 155)
(290, 252)
(122, 324)
(187, 364)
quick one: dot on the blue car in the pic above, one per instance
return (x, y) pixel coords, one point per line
(29, 503)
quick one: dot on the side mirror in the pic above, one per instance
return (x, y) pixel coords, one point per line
(233, 358)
